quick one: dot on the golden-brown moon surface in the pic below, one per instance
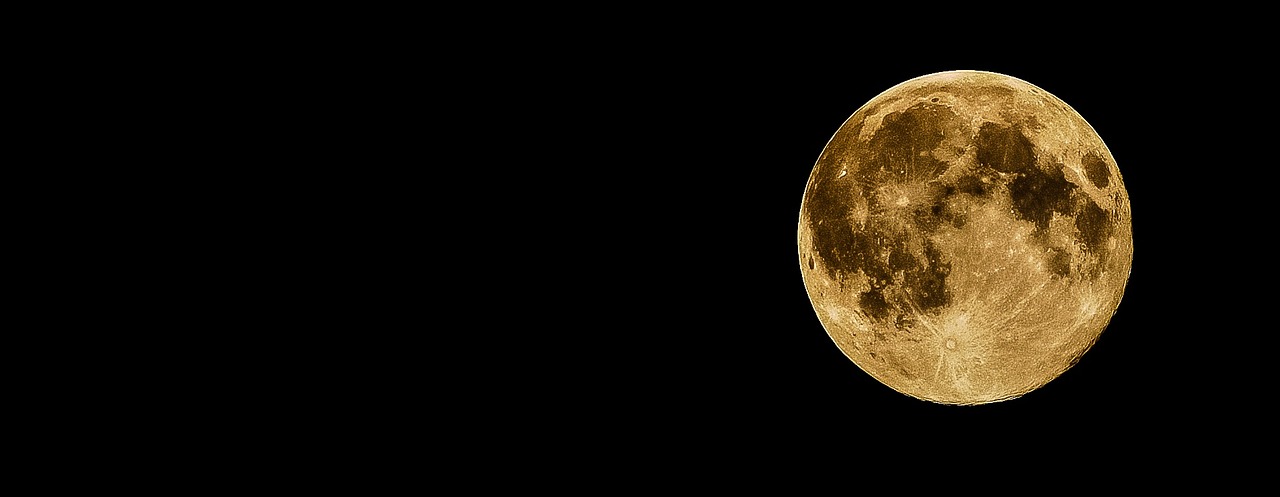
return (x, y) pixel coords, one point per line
(965, 237)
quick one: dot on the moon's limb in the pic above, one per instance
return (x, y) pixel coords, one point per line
(965, 237)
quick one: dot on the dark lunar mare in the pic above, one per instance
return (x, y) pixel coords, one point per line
(1038, 193)
(1095, 229)
(1039, 188)
(1096, 169)
(1058, 262)
(893, 154)
(1004, 148)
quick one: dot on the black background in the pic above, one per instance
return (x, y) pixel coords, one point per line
(707, 333)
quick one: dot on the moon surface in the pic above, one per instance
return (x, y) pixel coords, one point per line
(965, 237)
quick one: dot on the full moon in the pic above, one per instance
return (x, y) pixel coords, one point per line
(965, 237)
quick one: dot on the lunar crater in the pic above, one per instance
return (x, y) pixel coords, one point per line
(942, 233)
